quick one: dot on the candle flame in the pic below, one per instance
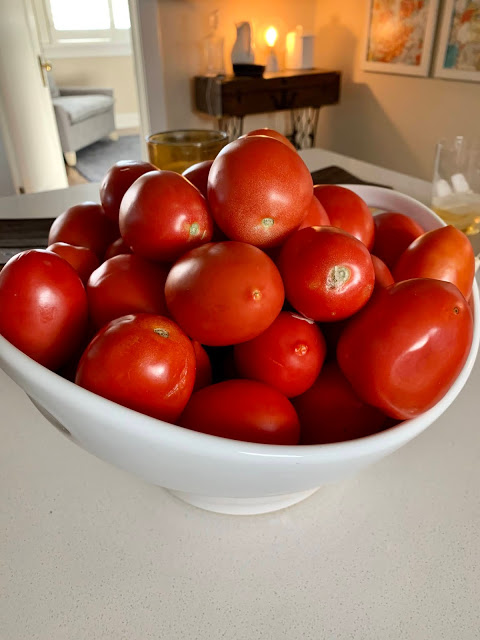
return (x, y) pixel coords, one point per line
(271, 35)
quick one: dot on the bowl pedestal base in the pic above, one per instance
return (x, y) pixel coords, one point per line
(243, 506)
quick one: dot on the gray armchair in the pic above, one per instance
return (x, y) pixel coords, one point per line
(83, 116)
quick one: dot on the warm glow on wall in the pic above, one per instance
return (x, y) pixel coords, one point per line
(271, 35)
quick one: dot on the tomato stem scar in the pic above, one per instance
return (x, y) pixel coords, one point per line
(194, 229)
(268, 222)
(338, 276)
(456, 310)
(301, 349)
(161, 332)
(256, 295)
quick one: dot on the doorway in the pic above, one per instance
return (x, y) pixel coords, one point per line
(92, 82)
(90, 45)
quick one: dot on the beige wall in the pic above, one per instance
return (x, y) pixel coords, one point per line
(183, 24)
(389, 120)
(116, 72)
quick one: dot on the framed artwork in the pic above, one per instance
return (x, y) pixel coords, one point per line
(399, 36)
(458, 52)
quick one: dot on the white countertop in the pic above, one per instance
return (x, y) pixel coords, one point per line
(89, 552)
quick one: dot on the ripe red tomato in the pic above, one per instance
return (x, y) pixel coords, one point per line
(259, 190)
(117, 248)
(203, 376)
(123, 285)
(330, 411)
(443, 254)
(316, 215)
(383, 277)
(116, 182)
(327, 273)
(393, 233)
(347, 211)
(224, 292)
(242, 410)
(43, 306)
(288, 355)
(271, 133)
(84, 225)
(162, 216)
(197, 174)
(404, 350)
(143, 362)
(83, 260)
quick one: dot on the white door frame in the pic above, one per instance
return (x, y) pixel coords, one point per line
(149, 67)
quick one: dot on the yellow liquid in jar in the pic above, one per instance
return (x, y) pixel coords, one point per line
(461, 211)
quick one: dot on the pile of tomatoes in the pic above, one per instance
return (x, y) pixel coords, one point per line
(243, 301)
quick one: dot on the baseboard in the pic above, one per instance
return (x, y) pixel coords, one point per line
(127, 120)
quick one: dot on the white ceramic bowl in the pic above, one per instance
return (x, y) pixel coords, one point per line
(210, 472)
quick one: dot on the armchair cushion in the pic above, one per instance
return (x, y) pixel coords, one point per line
(83, 107)
(80, 91)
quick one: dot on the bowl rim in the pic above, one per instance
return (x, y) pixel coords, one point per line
(17, 364)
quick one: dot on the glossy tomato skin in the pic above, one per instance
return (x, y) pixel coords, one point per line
(271, 133)
(393, 233)
(259, 191)
(405, 349)
(83, 260)
(117, 248)
(43, 306)
(123, 285)
(383, 276)
(203, 376)
(327, 273)
(224, 293)
(347, 211)
(117, 180)
(163, 215)
(288, 355)
(443, 254)
(316, 215)
(197, 174)
(84, 225)
(242, 410)
(144, 362)
(330, 411)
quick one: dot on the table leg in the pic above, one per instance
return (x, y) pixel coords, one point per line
(304, 127)
(233, 125)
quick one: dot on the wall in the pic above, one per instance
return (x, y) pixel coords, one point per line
(390, 120)
(7, 188)
(116, 72)
(184, 23)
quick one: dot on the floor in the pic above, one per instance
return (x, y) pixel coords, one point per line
(74, 177)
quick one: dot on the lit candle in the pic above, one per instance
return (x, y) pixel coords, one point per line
(271, 35)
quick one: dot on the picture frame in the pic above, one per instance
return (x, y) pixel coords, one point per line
(458, 52)
(399, 36)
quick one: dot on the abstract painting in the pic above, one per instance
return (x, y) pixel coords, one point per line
(400, 36)
(458, 51)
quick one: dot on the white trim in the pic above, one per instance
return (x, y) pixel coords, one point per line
(149, 67)
(127, 120)
(139, 66)
(87, 50)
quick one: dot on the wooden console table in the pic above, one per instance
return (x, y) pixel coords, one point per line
(231, 98)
